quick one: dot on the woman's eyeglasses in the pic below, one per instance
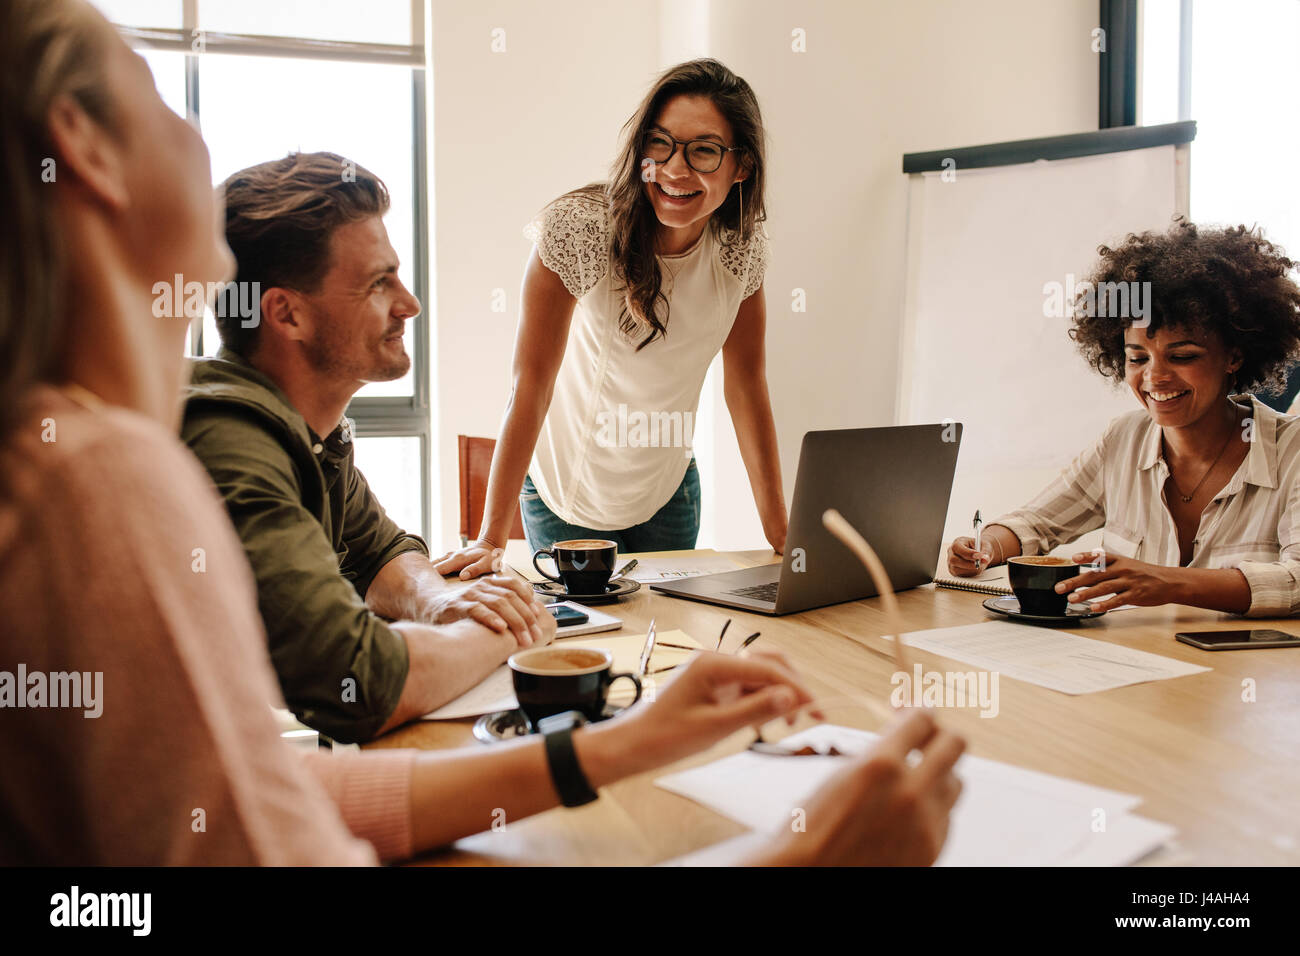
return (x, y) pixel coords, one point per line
(702, 155)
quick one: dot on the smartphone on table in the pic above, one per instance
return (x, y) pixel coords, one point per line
(1238, 640)
(565, 615)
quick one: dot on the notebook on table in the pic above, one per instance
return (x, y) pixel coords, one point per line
(995, 581)
(992, 581)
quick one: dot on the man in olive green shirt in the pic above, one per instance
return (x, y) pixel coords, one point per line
(363, 633)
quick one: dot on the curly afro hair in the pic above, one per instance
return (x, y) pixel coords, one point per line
(1231, 282)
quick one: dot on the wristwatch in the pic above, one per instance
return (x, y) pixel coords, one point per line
(566, 773)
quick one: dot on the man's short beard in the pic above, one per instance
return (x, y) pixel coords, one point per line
(324, 356)
(396, 370)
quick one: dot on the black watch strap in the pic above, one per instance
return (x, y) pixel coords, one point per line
(566, 773)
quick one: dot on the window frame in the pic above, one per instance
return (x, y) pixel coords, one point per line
(373, 416)
(1279, 401)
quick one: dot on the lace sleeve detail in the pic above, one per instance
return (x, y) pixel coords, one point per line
(747, 261)
(572, 238)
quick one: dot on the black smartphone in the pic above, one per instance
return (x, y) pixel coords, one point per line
(1238, 640)
(565, 615)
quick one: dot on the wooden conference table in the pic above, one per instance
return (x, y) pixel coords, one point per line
(1224, 771)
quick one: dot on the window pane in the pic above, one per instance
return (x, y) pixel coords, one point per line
(392, 469)
(211, 337)
(375, 21)
(169, 76)
(1243, 59)
(254, 109)
(1160, 39)
(141, 13)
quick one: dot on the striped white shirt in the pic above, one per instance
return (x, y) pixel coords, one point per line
(1252, 524)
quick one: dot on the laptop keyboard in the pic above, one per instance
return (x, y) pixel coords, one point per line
(759, 592)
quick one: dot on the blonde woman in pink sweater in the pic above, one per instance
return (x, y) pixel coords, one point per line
(117, 558)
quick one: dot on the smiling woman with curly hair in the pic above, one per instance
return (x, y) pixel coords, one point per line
(1230, 283)
(1198, 493)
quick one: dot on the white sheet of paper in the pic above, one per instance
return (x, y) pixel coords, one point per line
(671, 568)
(496, 691)
(726, 853)
(1063, 662)
(1126, 839)
(1006, 816)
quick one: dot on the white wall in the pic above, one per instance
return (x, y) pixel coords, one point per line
(512, 130)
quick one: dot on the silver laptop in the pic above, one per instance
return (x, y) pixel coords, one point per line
(892, 484)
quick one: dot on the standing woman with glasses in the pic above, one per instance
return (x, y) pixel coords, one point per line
(633, 287)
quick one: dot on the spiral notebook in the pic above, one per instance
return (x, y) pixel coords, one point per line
(993, 581)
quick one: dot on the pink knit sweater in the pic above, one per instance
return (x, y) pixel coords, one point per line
(116, 557)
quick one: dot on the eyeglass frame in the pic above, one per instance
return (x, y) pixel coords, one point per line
(686, 155)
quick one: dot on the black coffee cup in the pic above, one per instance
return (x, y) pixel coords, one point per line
(585, 565)
(553, 680)
(1034, 579)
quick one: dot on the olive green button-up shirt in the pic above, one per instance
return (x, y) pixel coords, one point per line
(315, 536)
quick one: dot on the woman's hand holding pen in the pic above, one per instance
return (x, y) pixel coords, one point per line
(884, 808)
(710, 698)
(996, 545)
(964, 560)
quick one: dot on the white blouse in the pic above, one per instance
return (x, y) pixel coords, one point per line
(618, 436)
(1252, 523)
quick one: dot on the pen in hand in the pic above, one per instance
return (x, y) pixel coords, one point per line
(979, 525)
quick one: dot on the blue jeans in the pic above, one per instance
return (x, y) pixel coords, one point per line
(674, 527)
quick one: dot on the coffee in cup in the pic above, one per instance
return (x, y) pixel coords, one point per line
(585, 565)
(1034, 579)
(553, 680)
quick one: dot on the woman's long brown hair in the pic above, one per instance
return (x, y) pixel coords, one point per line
(48, 48)
(633, 223)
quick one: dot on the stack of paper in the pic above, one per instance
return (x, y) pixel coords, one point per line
(675, 565)
(1006, 816)
(1049, 658)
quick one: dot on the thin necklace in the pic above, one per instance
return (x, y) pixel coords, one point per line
(1187, 498)
(672, 277)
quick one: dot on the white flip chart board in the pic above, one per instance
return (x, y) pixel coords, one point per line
(976, 346)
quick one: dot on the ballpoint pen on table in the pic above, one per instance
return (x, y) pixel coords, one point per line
(848, 535)
(749, 640)
(723, 634)
(647, 650)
